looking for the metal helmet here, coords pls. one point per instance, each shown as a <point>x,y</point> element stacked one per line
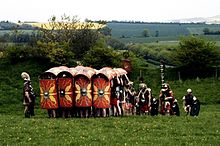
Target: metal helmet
<point>189,90</point>
<point>142,85</point>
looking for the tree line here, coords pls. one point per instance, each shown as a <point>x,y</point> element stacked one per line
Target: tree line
<point>65,44</point>
<point>207,31</point>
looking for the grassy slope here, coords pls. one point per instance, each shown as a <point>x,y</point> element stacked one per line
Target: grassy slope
<point>134,130</point>
<point>207,90</point>
<point>11,82</point>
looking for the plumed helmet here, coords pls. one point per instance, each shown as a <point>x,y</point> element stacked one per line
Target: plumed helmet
<point>25,76</point>
<point>189,90</point>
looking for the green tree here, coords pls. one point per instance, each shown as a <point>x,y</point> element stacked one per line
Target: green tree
<point>99,57</point>
<point>83,40</point>
<point>145,33</point>
<point>206,30</point>
<point>106,31</point>
<point>115,43</point>
<point>58,54</point>
<point>195,53</point>
<point>156,33</point>
<point>69,35</point>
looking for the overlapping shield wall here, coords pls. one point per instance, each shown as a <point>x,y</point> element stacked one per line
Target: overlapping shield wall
<point>77,86</point>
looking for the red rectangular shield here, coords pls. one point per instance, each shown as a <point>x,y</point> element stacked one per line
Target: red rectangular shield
<point>65,88</point>
<point>48,94</point>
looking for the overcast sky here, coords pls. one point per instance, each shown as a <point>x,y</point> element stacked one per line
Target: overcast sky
<point>138,10</point>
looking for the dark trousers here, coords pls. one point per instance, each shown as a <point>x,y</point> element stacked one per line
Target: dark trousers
<point>31,109</point>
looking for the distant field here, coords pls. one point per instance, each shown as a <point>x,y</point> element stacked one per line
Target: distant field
<point>135,30</point>
<point>2,32</point>
<point>128,32</point>
<point>132,32</point>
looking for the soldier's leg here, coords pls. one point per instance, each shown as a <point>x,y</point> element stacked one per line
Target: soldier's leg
<point>26,111</point>
<point>89,111</point>
<point>118,108</point>
<point>53,113</point>
<point>49,113</point>
<point>32,109</point>
<point>104,112</point>
<point>112,110</point>
<point>107,112</point>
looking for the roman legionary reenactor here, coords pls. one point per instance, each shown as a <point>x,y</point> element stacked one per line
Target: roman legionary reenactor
<point>191,104</point>
<point>166,99</point>
<point>129,98</point>
<point>28,96</point>
<point>144,99</point>
<point>115,96</point>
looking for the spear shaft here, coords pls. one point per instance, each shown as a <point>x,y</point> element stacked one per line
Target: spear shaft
<point>162,72</point>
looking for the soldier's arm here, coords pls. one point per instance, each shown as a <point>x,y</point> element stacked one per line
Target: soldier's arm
<point>129,91</point>
<point>184,102</point>
<point>194,98</point>
<point>121,81</point>
<point>171,93</point>
<point>118,80</point>
<point>161,94</point>
<point>26,92</point>
<point>170,96</point>
<point>139,93</point>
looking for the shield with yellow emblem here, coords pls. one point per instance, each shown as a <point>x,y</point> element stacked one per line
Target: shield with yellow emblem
<point>65,90</point>
<point>48,91</point>
<point>83,86</point>
<point>102,88</point>
<point>48,88</point>
<point>65,87</point>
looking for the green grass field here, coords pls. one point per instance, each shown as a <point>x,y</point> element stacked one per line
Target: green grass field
<point>130,130</point>
<point>132,33</point>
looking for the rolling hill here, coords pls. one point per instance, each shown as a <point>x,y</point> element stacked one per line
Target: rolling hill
<point>132,32</point>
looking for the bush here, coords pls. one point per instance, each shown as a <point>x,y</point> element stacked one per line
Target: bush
<point>101,57</point>
<point>57,54</point>
<point>116,44</point>
<point>195,53</point>
<point>17,53</point>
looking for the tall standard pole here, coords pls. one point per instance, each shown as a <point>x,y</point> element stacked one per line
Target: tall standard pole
<point>162,72</point>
